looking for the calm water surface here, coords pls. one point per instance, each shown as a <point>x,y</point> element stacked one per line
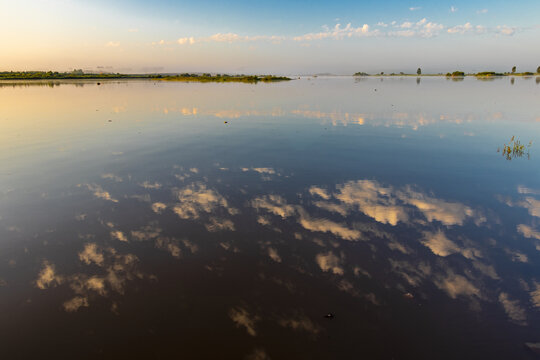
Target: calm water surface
<point>185,220</point>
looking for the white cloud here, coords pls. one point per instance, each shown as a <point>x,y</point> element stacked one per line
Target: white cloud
<point>457,285</point>
<point>92,254</point>
<point>415,8</point>
<point>47,277</point>
<point>440,245</point>
<point>75,303</point>
<point>158,207</point>
<point>99,192</point>
<point>170,245</point>
<point>512,308</point>
<point>242,318</point>
<point>217,224</point>
<point>196,199</point>
<point>118,235</point>
<point>338,33</point>
<point>328,262</point>
<point>113,44</point>
<point>453,9</point>
<point>272,252</point>
<point>325,225</point>
<point>300,323</point>
<point>528,231</point>
<point>186,40</point>
<point>482,11</point>
<point>149,185</point>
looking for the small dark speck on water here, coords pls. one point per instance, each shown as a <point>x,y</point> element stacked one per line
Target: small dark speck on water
<point>110,120</point>
<point>225,122</point>
<point>99,83</point>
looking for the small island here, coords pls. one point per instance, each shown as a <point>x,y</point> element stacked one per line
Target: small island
<point>222,78</point>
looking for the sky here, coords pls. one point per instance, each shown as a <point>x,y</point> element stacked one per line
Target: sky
<point>269,37</point>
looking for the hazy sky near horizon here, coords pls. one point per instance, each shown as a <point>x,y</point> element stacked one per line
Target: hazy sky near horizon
<point>280,37</point>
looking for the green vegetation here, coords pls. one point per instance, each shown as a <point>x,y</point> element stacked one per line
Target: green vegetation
<point>79,74</point>
<point>456,74</point>
<point>223,78</point>
<point>515,149</point>
<point>484,75</point>
<point>75,74</point>
<point>488,74</point>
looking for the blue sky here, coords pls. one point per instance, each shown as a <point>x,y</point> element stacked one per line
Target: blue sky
<point>286,37</point>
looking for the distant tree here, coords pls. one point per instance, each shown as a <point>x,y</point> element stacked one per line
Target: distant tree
<point>538,70</point>
<point>513,69</point>
<point>419,71</point>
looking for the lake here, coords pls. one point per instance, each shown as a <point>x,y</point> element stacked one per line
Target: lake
<point>320,218</point>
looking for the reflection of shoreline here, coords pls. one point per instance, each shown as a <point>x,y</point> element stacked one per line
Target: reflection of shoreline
<point>336,118</point>
<point>59,82</point>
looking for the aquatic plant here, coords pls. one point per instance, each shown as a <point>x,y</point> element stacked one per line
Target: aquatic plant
<point>515,149</point>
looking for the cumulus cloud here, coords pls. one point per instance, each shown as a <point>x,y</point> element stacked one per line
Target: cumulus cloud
<point>145,233</point>
<point>274,204</point>
<point>170,245</point>
<point>197,199</point>
<point>528,231</point>
<point>422,28</point>
<point>228,38</point>
<point>92,254</point>
<point>325,225</point>
<point>118,235</point>
<point>47,277</point>
<point>328,262</point>
<point>512,308</point>
<point>440,245</point>
<point>158,207</point>
<point>373,200</point>
<point>218,224</point>
<point>315,190</point>
<point>457,285</point>
<point>242,318</point>
<point>113,271</point>
<point>149,185</point>
<point>99,192</point>
<point>113,177</point>
<point>338,32</point>
<point>535,295</point>
<point>387,205</point>
<point>300,322</point>
<point>272,252</point>
<point>75,303</point>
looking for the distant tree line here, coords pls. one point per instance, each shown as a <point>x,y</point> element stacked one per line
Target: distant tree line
<point>459,73</point>
<point>75,74</point>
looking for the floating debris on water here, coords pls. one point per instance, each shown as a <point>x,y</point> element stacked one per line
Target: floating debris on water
<point>515,149</point>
